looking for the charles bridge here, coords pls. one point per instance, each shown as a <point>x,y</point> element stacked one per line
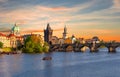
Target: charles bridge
<point>76,47</point>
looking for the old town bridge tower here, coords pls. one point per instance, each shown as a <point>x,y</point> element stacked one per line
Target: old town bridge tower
<point>48,34</point>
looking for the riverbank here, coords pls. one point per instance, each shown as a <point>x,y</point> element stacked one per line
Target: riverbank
<point>10,53</point>
<point>63,64</point>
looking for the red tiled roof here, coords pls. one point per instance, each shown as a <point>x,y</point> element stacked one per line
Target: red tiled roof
<point>19,37</point>
<point>11,35</point>
<point>1,34</point>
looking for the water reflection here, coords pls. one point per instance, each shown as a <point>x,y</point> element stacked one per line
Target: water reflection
<point>118,49</point>
<point>4,66</point>
<point>85,49</point>
<point>63,64</point>
<point>105,49</point>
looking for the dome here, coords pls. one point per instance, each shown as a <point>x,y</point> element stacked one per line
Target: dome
<point>95,38</point>
<point>15,28</point>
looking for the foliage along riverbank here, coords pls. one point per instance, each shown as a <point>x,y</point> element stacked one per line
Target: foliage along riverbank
<point>32,44</point>
<point>35,44</point>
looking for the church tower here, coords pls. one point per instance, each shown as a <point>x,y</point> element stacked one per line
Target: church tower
<point>65,33</point>
<point>48,34</point>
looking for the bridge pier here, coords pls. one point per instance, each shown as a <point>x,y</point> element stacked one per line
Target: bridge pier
<point>69,48</point>
<point>111,49</point>
<point>76,49</point>
<point>93,49</point>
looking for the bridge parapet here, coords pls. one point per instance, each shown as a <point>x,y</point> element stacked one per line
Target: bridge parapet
<point>77,47</point>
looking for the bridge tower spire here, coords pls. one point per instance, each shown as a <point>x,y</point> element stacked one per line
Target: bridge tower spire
<point>65,32</point>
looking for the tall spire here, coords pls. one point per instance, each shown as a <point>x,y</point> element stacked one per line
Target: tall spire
<point>65,32</point>
<point>48,27</point>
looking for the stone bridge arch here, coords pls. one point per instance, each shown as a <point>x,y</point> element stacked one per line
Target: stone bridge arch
<point>69,48</point>
<point>77,47</point>
<point>99,46</point>
<point>85,48</point>
<point>117,48</point>
<point>111,47</point>
<point>82,46</point>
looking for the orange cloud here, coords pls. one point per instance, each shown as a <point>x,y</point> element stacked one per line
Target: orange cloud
<point>111,38</point>
<point>3,1</point>
<point>116,3</point>
<point>53,8</point>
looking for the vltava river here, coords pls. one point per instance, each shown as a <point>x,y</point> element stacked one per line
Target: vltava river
<point>63,64</point>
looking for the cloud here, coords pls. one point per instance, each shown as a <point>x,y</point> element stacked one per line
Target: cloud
<point>94,32</point>
<point>34,13</point>
<point>3,29</point>
<point>57,16</point>
<point>34,18</point>
<point>38,15</point>
<point>2,1</point>
<point>53,9</point>
<point>116,3</point>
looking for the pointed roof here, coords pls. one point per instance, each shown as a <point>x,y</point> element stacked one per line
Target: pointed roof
<point>65,30</point>
<point>48,27</point>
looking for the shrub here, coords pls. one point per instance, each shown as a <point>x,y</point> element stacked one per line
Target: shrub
<point>46,49</point>
<point>38,49</point>
<point>34,44</point>
<point>7,49</point>
<point>27,50</point>
<point>1,45</point>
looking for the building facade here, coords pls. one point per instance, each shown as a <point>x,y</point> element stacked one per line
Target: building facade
<point>13,39</point>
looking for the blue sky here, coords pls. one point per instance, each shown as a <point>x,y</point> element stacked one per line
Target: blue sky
<point>83,18</point>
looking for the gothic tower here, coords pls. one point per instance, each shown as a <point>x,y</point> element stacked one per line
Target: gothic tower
<point>48,34</point>
<point>65,33</point>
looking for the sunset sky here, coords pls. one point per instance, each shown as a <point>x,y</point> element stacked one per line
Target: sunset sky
<point>83,18</point>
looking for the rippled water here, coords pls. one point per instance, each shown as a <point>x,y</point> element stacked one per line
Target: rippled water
<point>101,64</point>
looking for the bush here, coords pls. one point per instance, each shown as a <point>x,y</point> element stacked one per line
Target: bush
<point>27,50</point>
<point>1,45</point>
<point>7,49</point>
<point>38,49</point>
<point>34,45</point>
<point>46,49</point>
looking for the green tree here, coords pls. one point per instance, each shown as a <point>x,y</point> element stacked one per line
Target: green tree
<point>27,50</point>
<point>46,49</point>
<point>38,48</point>
<point>1,45</point>
<point>34,44</point>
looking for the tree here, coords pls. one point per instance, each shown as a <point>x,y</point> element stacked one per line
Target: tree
<point>34,44</point>
<point>38,48</point>
<point>46,48</point>
<point>1,45</point>
<point>27,50</point>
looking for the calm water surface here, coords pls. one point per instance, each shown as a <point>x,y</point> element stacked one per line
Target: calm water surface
<point>101,64</point>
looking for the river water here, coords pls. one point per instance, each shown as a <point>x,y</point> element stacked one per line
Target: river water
<point>63,64</point>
